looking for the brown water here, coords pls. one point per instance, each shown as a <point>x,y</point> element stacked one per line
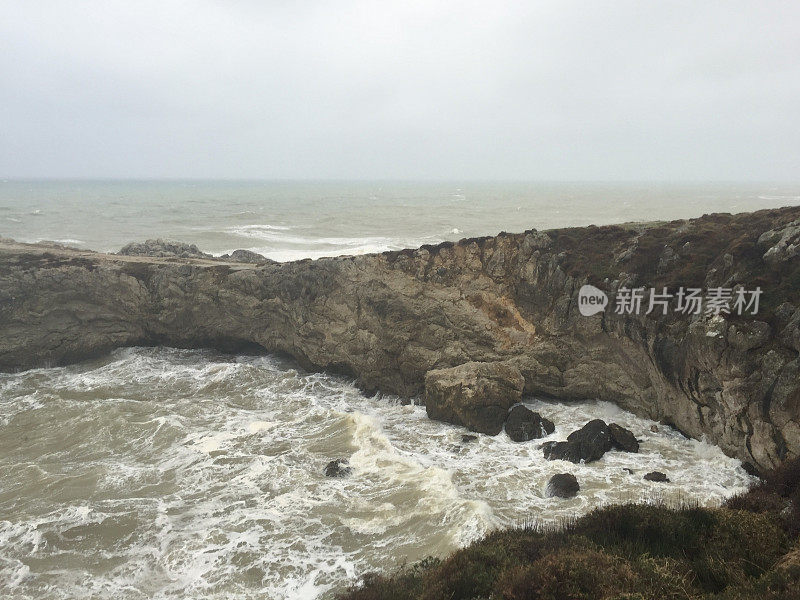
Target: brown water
<point>162,473</point>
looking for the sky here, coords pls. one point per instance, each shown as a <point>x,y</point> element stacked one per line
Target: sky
<point>539,90</point>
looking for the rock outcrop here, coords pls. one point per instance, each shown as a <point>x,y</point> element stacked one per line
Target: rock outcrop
<point>247,256</point>
<point>587,444</point>
<point>388,319</point>
<point>523,424</point>
<point>338,468</point>
<point>476,395</point>
<point>623,439</point>
<point>163,248</point>
<point>562,485</point>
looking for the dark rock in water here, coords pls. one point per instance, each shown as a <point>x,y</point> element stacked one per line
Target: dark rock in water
<point>338,468</point>
<point>556,451</point>
<point>163,248</point>
<point>654,428</point>
<point>523,424</point>
<point>626,469</point>
<point>657,476</point>
<point>468,438</point>
<point>563,485</point>
<point>587,444</point>
<point>623,439</point>
<point>247,256</point>
<point>475,395</point>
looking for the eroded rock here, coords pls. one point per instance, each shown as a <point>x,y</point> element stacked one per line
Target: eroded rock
<point>475,395</point>
<point>562,485</point>
<point>163,248</point>
<point>656,476</point>
<point>247,256</point>
<point>783,243</point>
<point>587,444</point>
<point>388,319</point>
<point>523,424</point>
<point>338,468</point>
<point>623,439</point>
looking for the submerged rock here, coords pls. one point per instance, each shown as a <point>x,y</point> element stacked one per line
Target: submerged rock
<point>623,439</point>
<point>338,468</point>
<point>523,424</point>
<point>656,476</point>
<point>563,485</point>
<point>476,395</point>
<point>466,438</point>
<point>587,444</point>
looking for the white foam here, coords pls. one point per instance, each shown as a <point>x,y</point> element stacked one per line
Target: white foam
<point>257,426</point>
<point>218,463</point>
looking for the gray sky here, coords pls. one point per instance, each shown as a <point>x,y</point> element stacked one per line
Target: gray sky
<point>552,90</point>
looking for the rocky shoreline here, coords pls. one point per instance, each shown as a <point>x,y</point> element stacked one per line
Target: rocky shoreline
<point>470,326</point>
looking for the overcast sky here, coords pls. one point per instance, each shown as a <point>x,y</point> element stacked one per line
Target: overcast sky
<point>548,90</point>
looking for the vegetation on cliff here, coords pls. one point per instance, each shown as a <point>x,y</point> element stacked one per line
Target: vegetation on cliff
<point>749,548</point>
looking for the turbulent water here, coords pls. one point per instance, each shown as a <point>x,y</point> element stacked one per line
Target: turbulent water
<point>291,220</point>
<point>158,473</point>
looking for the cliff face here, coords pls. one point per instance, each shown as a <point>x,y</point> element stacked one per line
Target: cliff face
<point>388,319</point>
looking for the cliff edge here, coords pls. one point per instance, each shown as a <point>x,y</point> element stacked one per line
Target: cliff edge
<point>510,300</point>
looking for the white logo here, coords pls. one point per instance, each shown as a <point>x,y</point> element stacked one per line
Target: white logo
<point>591,300</point>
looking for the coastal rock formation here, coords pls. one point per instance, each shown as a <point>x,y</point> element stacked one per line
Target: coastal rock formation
<point>388,319</point>
<point>476,395</point>
<point>562,485</point>
<point>338,468</point>
<point>163,248</point>
<point>587,444</point>
<point>247,256</point>
<point>522,424</point>
<point>656,476</point>
<point>623,439</point>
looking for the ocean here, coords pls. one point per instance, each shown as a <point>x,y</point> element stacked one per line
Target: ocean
<point>167,473</point>
<point>293,220</point>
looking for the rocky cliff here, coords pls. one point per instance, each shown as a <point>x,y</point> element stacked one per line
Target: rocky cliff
<point>510,300</point>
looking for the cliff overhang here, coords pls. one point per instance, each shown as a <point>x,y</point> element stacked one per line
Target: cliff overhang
<point>512,299</point>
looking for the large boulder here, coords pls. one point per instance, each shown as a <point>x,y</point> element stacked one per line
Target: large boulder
<point>522,424</point>
<point>587,444</point>
<point>476,395</point>
<point>623,439</point>
<point>562,485</point>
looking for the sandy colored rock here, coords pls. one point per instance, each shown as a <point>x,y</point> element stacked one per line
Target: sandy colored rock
<point>475,395</point>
